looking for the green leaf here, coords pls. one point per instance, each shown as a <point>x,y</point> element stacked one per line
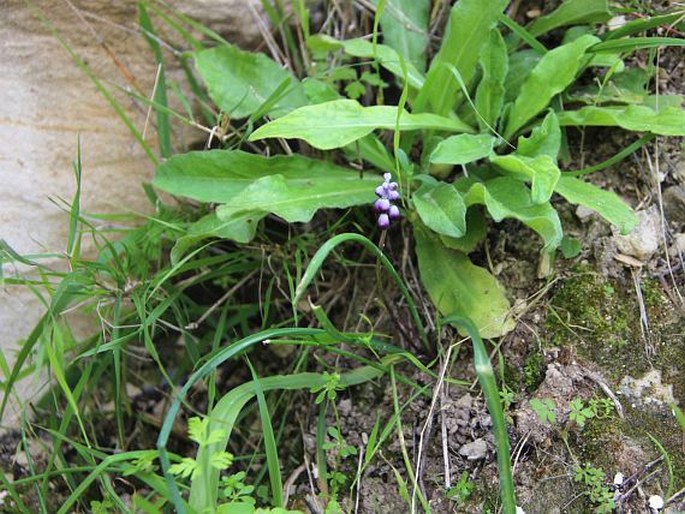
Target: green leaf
<point>240,82</point>
<point>570,247</point>
<point>494,62</point>
<point>476,230</point>
<point>555,72</point>
<point>605,203</point>
<point>405,28</point>
<point>219,176</point>
<point>572,12</point>
<point>545,139</point>
<point>296,199</point>
<point>240,228</point>
<point>334,124</point>
<point>362,48</point>
<point>441,208</point>
<point>644,24</point>
<point>462,149</point>
<point>542,171</point>
<point>467,31</point>
<point>506,197</point>
<point>635,43</point>
<point>667,122</point>
<point>458,287</point>
<point>520,65</point>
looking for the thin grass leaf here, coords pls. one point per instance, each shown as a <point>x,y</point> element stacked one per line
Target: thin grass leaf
<point>636,43</point>
<point>204,489</point>
<point>486,379</point>
<point>322,253</point>
<point>521,32</point>
<point>160,93</point>
<point>74,240</point>
<point>270,446</point>
<point>642,25</point>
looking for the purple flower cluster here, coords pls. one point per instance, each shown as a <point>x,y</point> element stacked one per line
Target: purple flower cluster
<point>387,193</point>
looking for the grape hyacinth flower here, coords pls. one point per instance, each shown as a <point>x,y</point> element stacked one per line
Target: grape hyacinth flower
<point>387,193</point>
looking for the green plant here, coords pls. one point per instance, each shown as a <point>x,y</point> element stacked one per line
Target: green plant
<point>544,409</point>
<point>462,490</point>
<point>598,492</point>
<point>580,413</point>
<point>486,104</point>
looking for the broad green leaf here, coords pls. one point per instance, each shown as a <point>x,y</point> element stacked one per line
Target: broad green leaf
<point>667,122</point>
<point>240,229</point>
<point>362,48</point>
<point>605,203</point>
<point>468,30</point>
<point>505,197</point>
<point>494,62</point>
<point>555,72</point>
<point>318,91</point>
<point>572,12</point>
<point>240,82</point>
<point>369,148</point>
<point>296,197</point>
<point>405,28</point>
<point>462,149</point>
<point>458,287</point>
<point>545,139</point>
<point>441,208</point>
<point>334,124</point>
<point>373,151</point>
<point>520,65</point>
<point>542,171</point>
<point>476,230</point>
<point>219,176</point>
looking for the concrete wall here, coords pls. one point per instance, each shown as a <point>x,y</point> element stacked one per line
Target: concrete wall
<point>47,103</point>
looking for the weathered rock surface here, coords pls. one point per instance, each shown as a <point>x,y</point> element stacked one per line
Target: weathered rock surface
<point>644,240</point>
<point>48,103</point>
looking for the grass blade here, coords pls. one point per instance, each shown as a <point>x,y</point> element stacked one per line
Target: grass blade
<point>486,378</point>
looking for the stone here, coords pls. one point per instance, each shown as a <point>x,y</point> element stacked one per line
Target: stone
<point>643,242</point>
<point>674,204</point>
<point>647,390</point>
<point>475,450</point>
<point>49,104</point>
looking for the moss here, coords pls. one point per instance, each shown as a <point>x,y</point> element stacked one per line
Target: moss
<point>600,319</point>
<point>533,371</point>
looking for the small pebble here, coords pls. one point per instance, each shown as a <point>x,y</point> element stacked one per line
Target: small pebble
<point>656,502</point>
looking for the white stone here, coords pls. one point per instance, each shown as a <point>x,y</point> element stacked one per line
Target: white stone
<point>474,450</point>
<point>618,479</point>
<point>644,240</point>
<point>656,502</point>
